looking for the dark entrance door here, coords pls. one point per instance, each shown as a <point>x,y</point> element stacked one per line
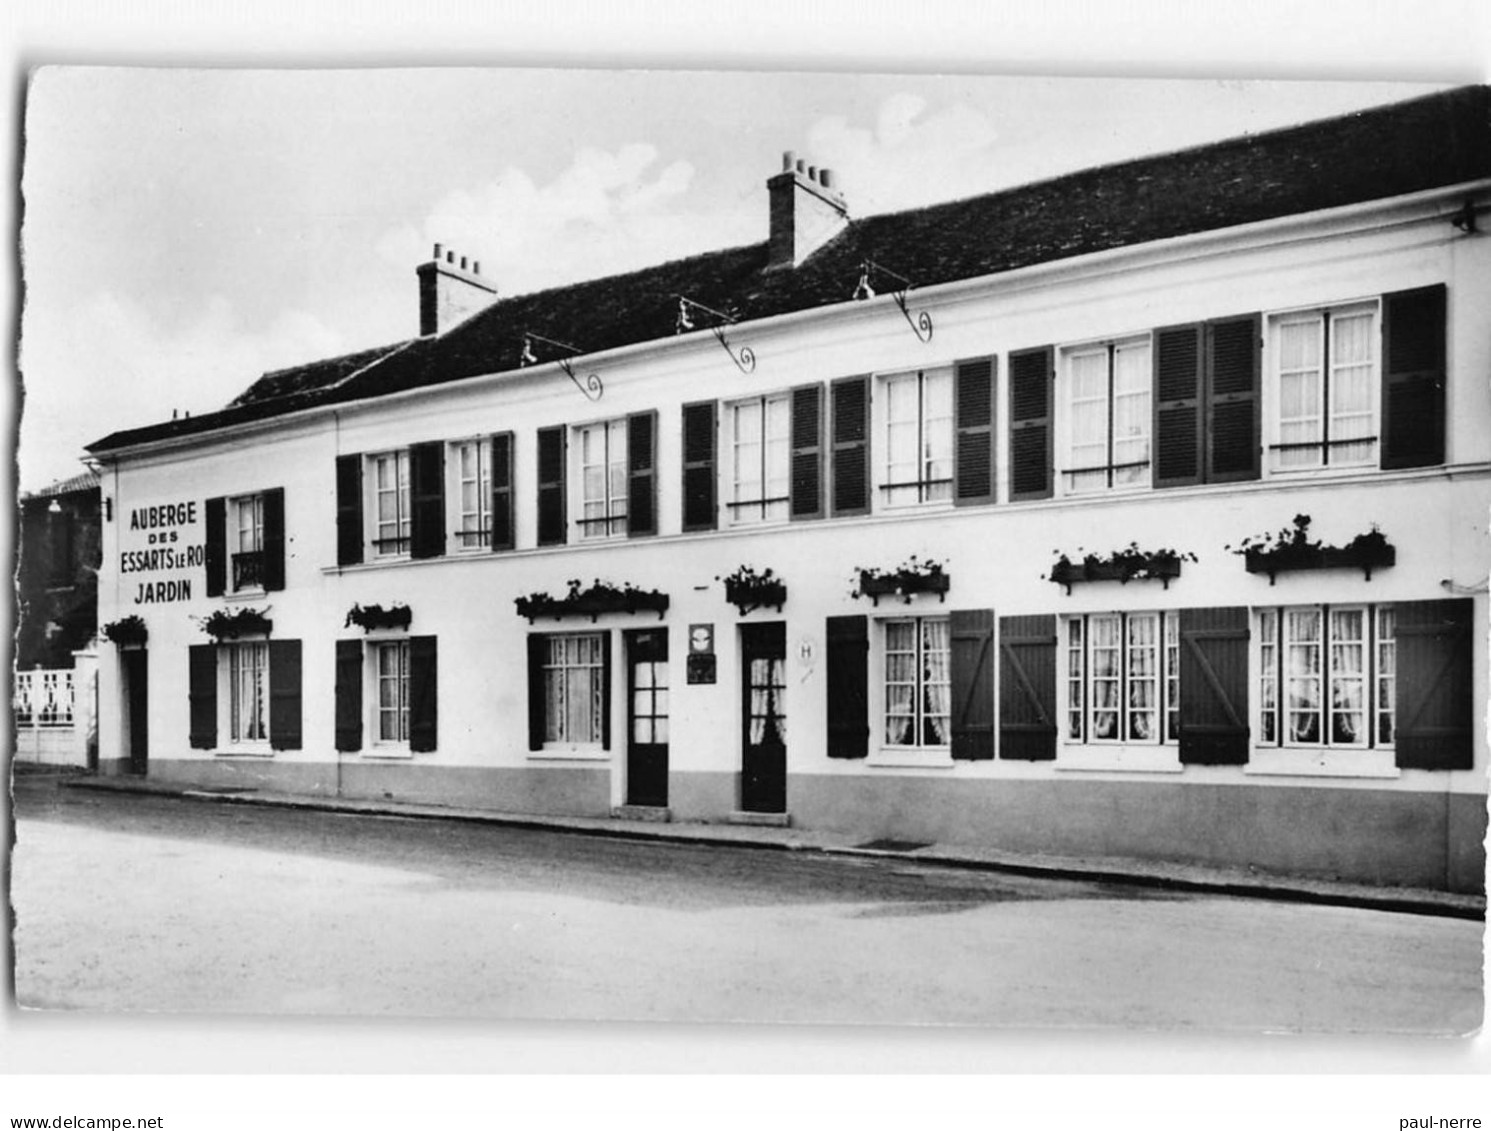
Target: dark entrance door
<point>763,778</point>
<point>136,699</point>
<point>647,717</point>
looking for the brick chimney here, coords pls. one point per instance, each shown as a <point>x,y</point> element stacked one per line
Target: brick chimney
<point>450,291</point>
<point>806,212</point>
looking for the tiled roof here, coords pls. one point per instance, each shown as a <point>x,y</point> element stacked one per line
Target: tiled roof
<point>317,375</point>
<point>87,481</point>
<point>1430,142</point>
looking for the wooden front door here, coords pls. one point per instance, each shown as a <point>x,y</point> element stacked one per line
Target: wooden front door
<point>136,708</point>
<point>647,717</point>
<point>763,778</point>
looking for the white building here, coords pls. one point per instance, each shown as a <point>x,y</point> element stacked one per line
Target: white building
<point>1172,354</point>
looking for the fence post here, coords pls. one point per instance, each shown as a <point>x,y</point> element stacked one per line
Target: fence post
<point>85,707</point>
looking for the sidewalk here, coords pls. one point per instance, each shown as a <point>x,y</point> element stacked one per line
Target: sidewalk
<point>1172,876</point>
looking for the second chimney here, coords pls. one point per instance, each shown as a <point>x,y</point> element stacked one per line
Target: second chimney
<point>806,212</point>
<point>450,291</point>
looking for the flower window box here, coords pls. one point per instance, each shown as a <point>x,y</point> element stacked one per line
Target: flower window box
<point>905,581</point>
<point>600,598</point>
<point>747,590</point>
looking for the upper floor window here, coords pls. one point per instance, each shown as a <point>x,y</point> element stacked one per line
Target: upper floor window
<point>1327,676</point>
<point>918,428</point>
<point>760,454</point>
<point>918,682</point>
<point>1323,388</point>
<point>391,506</point>
<point>603,479</point>
<point>1106,416</point>
<point>1122,678</point>
<point>473,470</point>
<point>247,542</point>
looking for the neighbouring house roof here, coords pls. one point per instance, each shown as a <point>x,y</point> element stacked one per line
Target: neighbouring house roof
<point>1431,142</point>
<point>87,481</point>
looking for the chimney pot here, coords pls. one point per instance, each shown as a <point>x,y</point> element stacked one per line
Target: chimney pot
<point>788,159</point>
<point>801,165</point>
<point>826,178</point>
<point>812,172</point>
<point>438,250</point>
<point>463,263</point>
<point>476,266</point>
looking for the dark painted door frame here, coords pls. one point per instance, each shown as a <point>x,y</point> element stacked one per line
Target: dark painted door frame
<point>135,670</point>
<point>763,764</point>
<point>647,760</point>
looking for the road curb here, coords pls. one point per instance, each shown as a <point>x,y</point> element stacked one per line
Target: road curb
<point>1285,889</point>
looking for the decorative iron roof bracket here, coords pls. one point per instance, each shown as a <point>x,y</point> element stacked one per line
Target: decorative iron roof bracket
<point>590,384</point>
<point>744,357</point>
<point>920,322</point>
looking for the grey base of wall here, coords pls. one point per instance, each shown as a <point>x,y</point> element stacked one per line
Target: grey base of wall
<point>1385,837</point>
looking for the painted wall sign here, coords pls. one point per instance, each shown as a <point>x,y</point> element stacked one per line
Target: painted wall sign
<point>162,539</point>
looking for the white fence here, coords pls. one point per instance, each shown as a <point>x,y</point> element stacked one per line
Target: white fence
<point>55,713</point>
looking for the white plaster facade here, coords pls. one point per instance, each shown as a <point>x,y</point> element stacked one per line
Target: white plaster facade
<point>1352,815</point>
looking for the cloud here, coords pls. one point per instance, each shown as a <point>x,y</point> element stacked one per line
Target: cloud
<point>95,366</point>
<point>911,157</point>
<point>606,212</point>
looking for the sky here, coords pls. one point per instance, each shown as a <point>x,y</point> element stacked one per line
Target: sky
<point>185,230</point>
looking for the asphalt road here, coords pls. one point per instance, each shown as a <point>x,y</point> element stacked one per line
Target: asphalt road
<point>139,903</point>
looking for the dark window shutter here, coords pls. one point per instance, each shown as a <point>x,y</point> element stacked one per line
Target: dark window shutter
<point>1234,362</point>
<point>974,417</point>
<point>1413,378</point>
<point>1027,687</point>
<point>699,510</point>
<point>349,510</point>
<point>538,649</point>
<point>215,552</point>
<point>807,452</point>
<point>274,539</point>
<point>849,407</point>
<point>972,664</point>
<point>284,695</point>
<point>1178,352</point>
<point>848,667</point>
<point>504,524</point>
<point>202,695</point>
<point>422,693</point>
<point>427,500</point>
<point>605,691</point>
<point>641,484</point>
<point>1435,693</point>
<point>349,695</point>
<point>551,502</point>
<point>1032,373</point>
<point>1214,687</point>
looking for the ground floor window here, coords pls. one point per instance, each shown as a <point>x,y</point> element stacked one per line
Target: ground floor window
<point>1327,676</point>
<point>391,660</point>
<point>574,681</point>
<point>248,691</point>
<point>917,682</point>
<point>1122,678</point>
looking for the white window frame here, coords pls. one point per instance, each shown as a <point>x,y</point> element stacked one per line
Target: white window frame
<point>236,505</point>
<point>771,488</point>
<point>387,546</point>
<point>564,747</point>
<point>375,650</point>
<point>471,529</point>
<point>1083,751</point>
<point>611,522</point>
<point>229,655</point>
<point>882,751</point>
<point>1268,661</point>
<point>901,486</point>
<point>1274,425</point>
<point>1120,475</point>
